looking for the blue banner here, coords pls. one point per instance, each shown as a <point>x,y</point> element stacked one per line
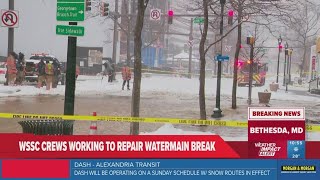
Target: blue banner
<point>174,169</point>
<point>204,169</point>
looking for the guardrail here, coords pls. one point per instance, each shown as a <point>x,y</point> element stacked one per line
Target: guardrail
<point>314,86</point>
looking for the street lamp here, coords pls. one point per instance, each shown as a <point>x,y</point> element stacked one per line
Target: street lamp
<point>280,48</point>
<point>290,61</point>
<point>217,111</point>
<point>285,63</point>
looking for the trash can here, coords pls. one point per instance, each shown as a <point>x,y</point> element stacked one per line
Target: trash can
<point>47,127</point>
<point>274,87</point>
<point>264,97</point>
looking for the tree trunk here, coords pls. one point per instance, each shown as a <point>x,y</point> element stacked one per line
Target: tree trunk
<point>303,65</point>
<point>128,37</point>
<point>236,57</point>
<point>135,106</point>
<point>202,96</point>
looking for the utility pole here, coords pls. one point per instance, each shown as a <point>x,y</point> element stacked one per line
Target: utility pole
<point>278,65</point>
<point>217,111</point>
<point>11,31</point>
<point>71,74</point>
<point>190,48</point>
<point>115,36</point>
<point>167,37</point>
<point>291,51</point>
<point>285,63</point>
<point>251,71</point>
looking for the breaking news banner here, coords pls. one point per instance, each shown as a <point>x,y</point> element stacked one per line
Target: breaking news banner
<point>276,133</point>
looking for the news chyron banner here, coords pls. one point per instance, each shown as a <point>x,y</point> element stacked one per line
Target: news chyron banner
<point>276,133</point>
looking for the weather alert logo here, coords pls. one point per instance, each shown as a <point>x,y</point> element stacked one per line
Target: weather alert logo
<point>267,149</point>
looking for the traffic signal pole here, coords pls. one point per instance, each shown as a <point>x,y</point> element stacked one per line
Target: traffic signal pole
<point>11,31</point>
<point>71,74</point>
<point>250,74</point>
<point>190,48</point>
<point>217,113</point>
<point>115,37</point>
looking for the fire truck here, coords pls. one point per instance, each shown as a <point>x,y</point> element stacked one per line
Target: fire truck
<point>259,73</point>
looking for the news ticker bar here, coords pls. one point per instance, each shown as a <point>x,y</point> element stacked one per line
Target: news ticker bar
<point>155,169</point>
<point>236,124</point>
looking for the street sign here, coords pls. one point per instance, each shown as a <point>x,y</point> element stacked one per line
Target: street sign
<point>222,58</point>
<point>70,10</point>
<point>155,14</point>
<point>198,20</point>
<point>9,18</point>
<point>70,30</point>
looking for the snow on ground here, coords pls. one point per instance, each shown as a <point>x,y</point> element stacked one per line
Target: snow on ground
<point>169,129</point>
<point>95,85</point>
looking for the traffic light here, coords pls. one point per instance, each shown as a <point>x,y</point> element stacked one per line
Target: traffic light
<point>88,5</point>
<point>230,17</point>
<point>105,9</point>
<point>250,40</point>
<point>170,17</point>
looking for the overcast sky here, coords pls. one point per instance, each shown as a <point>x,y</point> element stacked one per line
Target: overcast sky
<point>36,31</point>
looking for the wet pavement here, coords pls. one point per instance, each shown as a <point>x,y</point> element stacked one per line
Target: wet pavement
<point>152,105</point>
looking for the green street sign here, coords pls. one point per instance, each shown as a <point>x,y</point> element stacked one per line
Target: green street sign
<point>70,10</point>
<point>198,20</point>
<point>70,30</point>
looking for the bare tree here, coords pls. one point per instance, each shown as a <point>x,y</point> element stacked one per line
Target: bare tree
<point>302,28</point>
<point>135,106</point>
<point>202,97</point>
<point>259,51</point>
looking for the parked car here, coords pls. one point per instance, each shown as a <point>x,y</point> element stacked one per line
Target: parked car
<point>51,58</point>
<point>3,68</point>
<point>31,70</point>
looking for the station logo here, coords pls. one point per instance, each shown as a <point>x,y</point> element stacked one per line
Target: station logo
<point>267,149</point>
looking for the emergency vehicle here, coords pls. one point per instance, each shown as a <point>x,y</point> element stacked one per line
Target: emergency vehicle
<point>259,73</point>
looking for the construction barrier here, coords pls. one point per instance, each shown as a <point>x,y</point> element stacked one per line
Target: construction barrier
<point>221,123</point>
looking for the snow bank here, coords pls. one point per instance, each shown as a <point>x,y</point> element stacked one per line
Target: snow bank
<point>95,85</point>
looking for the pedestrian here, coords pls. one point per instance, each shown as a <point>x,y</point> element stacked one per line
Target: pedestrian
<point>20,69</point>
<point>11,68</point>
<point>56,74</point>
<point>49,68</point>
<point>41,69</point>
<point>108,70</point>
<point>126,76</point>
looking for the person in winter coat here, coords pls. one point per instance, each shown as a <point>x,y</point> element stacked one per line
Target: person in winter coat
<point>41,67</point>
<point>11,68</point>
<point>108,71</point>
<point>126,76</point>
<point>21,69</point>
<point>49,74</point>
<point>56,74</point>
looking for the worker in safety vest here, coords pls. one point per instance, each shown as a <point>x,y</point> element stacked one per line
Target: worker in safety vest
<point>49,74</point>
<point>126,76</point>
<point>11,68</point>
